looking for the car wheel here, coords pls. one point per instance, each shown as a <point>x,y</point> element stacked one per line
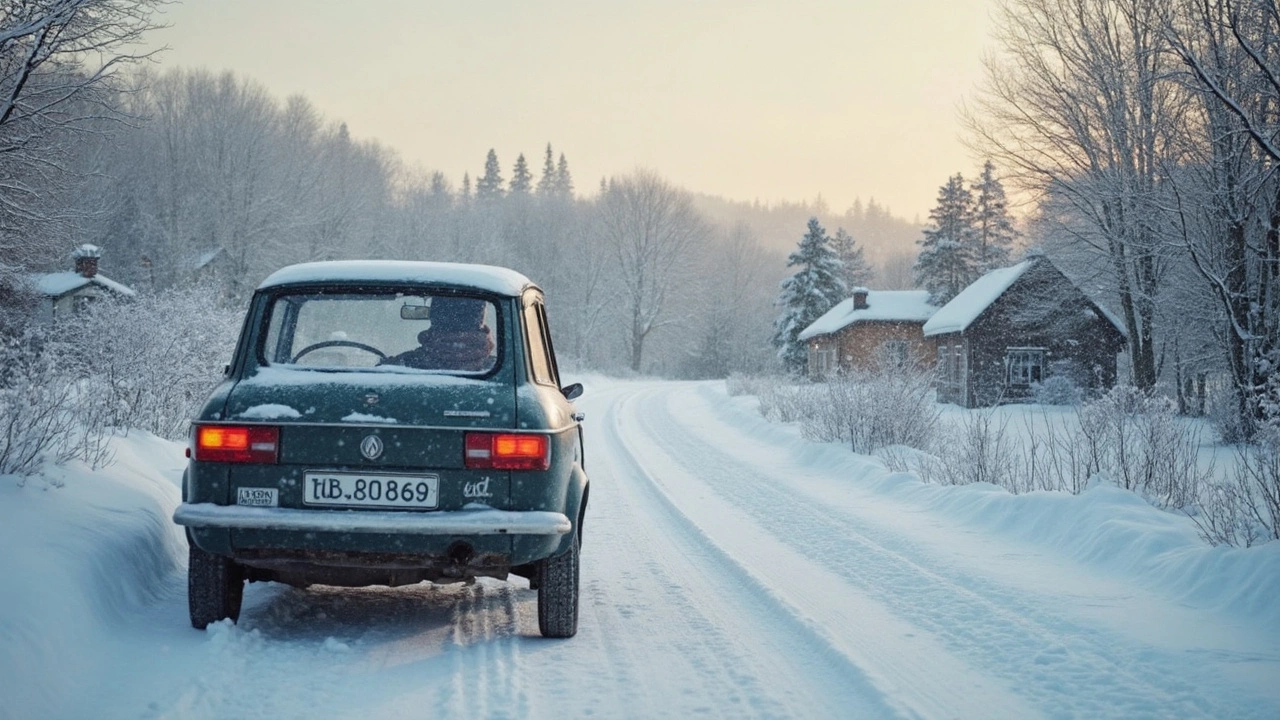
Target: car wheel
<point>215,587</point>
<point>558,594</point>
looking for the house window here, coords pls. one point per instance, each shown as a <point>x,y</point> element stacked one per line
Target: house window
<point>1026,365</point>
<point>894,353</point>
<point>957,365</point>
<point>824,359</point>
<point>944,356</point>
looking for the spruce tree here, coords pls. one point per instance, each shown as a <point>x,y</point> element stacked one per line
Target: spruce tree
<point>521,178</point>
<point>993,228</point>
<point>465,194</point>
<point>814,289</point>
<point>946,263</point>
<point>489,186</point>
<point>854,269</point>
<point>564,181</point>
<point>547,183</point>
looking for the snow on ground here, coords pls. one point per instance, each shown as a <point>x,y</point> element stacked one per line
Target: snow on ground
<point>730,569</point>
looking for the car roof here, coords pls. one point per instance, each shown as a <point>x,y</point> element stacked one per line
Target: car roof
<point>498,280</point>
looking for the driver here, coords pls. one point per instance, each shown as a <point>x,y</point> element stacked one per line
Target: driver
<point>458,339</point>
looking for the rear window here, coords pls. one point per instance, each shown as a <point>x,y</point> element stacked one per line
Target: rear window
<point>396,330</point>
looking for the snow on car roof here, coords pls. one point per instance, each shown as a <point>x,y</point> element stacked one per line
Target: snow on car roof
<point>882,305</point>
<point>493,279</point>
<point>964,308</point>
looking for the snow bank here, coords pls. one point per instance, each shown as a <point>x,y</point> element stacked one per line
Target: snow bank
<point>81,549</point>
<point>1107,528</point>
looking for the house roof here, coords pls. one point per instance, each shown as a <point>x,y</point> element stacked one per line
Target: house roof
<point>882,306</point>
<point>57,284</point>
<point>501,281</point>
<point>966,307</point>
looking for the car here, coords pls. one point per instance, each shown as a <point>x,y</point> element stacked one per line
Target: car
<point>388,423</point>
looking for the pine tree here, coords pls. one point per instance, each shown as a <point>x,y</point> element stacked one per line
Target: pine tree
<point>547,183</point>
<point>814,289</point>
<point>854,269</point>
<point>993,228</point>
<point>489,186</point>
<point>465,194</point>
<point>521,178</point>
<point>946,263</point>
<point>564,181</point>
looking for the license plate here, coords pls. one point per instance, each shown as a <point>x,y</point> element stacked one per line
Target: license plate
<point>368,490</point>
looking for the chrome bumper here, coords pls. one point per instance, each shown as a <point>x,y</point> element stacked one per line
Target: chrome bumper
<point>436,522</point>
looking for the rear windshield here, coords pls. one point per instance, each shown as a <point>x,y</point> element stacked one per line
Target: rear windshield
<point>395,330</point>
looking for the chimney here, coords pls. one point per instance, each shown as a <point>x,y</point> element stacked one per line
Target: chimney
<point>860,298</point>
<point>86,257</point>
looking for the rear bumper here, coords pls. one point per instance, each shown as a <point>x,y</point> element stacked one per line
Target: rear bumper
<point>445,522</point>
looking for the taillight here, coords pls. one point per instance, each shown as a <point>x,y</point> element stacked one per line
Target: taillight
<point>237,444</point>
<point>507,451</point>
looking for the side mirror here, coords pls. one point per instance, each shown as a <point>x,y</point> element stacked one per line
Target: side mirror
<point>572,392</point>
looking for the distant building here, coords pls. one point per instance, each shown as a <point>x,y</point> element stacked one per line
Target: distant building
<point>872,326</point>
<point>64,293</point>
<point>1017,326</point>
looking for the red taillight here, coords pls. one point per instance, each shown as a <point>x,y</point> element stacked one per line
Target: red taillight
<point>238,444</point>
<point>507,451</point>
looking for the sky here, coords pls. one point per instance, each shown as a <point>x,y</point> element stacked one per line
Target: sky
<point>748,100</point>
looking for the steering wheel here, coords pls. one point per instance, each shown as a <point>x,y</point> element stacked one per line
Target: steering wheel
<point>335,343</point>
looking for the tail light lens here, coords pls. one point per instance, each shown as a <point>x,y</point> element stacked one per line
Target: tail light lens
<point>507,451</point>
<point>237,444</point>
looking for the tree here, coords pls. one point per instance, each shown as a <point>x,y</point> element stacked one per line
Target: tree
<point>993,232</point>
<point>60,63</point>
<point>814,289</point>
<point>854,269</point>
<point>464,195</point>
<point>564,180</point>
<point>1077,105</point>
<point>547,183</point>
<point>946,264</point>
<point>521,178</point>
<point>489,186</point>
<point>652,228</point>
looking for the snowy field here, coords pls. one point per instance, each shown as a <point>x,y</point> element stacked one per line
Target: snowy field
<point>730,569</point>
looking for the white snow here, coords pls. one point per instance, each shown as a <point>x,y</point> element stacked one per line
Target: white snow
<point>358,417</point>
<point>60,283</point>
<point>882,305</point>
<point>957,315</point>
<point>270,411</point>
<point>469,521</point>
<point>730,568</point>
<point>484,277</point>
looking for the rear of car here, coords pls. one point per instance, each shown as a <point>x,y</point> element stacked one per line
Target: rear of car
<point>384,424</point>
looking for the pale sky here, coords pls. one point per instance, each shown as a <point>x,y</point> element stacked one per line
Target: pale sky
<point>744,99</point>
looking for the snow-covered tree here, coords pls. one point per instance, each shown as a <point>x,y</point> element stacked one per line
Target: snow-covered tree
<point>854,268</point>
<point>564,180</point>
<point>993,232</point>
<point>946,263</point>
<point>521,178</point>
<point>464,195</point>
<point>547,183</point>
<point>489,186</point>
<point>814,289</point>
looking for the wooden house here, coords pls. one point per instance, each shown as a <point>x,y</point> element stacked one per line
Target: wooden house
<point>870,327</point>
<point>1017,326</point>
<point>64,293</point>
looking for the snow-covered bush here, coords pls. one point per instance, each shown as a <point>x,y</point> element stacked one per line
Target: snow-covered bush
<point>1244,509</point>
<point>1064,385</point>
<point>892,404</point>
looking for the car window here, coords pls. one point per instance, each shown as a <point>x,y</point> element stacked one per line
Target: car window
<point>400,330</point>
<point>539,359</point>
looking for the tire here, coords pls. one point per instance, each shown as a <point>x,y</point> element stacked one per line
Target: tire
<point>558,594</point>
<point>215,588</point>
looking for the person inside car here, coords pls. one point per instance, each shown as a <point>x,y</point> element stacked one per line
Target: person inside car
<point>457,339</point>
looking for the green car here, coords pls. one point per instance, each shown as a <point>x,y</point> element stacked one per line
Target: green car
<point>388,423</point>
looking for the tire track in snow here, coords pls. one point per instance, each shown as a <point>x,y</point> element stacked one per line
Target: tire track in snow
<point>1059,664</point>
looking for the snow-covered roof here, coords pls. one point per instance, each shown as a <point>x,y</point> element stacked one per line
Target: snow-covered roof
<point>882,306</point>
<point>60,283</point>
<point>200,261</point>
<point>493,279</point>
<point>964,308</point>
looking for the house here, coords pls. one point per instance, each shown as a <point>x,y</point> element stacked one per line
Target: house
<point>1017,326</point>
<point>872,326</point>
<point>63,293</point>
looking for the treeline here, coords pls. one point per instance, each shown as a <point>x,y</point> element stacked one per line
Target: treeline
<point>1147,133</point>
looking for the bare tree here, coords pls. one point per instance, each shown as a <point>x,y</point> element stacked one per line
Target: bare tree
<point>652,227</point>
<point>59,75</point>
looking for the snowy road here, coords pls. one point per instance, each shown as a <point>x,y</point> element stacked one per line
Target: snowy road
<point>728,570</point>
